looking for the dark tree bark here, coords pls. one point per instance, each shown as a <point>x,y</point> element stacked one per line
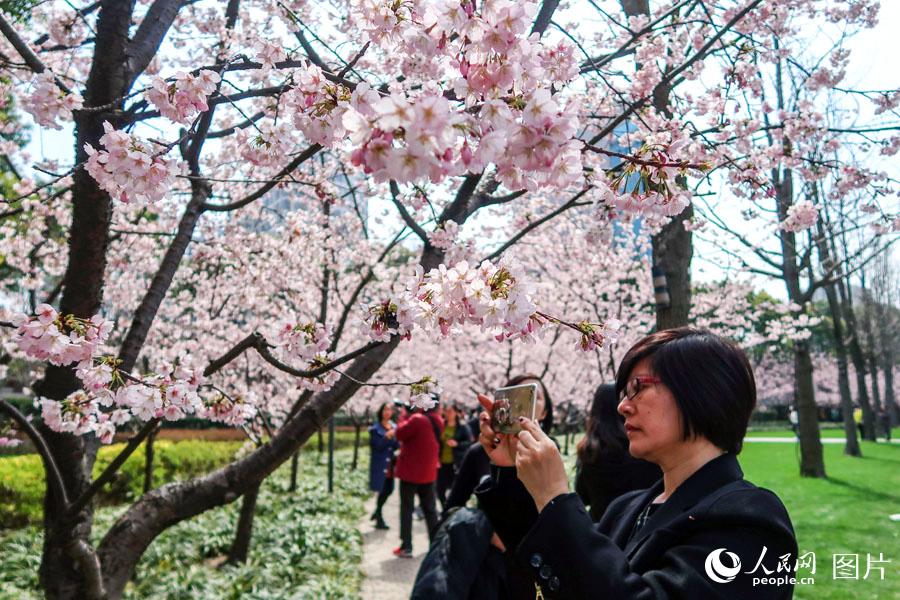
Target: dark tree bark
<point>148,462</point>
<point>672,253</point>
<point>673,246</point>
<point>295,460</point>
<point>811,462</point>
<point>851,446</point>
<point>240,546</point>
<point>859,360</point>
<point>871,348</point>
<point>68,566</point>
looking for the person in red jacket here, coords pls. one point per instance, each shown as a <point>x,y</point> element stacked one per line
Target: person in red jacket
<point>417,466</point>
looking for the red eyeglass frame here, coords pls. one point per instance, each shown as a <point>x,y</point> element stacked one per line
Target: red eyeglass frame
<point>642,380</point>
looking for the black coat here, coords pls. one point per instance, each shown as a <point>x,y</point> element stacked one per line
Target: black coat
<point>715,508</point>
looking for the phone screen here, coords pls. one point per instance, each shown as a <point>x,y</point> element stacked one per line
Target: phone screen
<point>513,402</point>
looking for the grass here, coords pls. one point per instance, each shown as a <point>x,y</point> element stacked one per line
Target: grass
<point>847,513</point>
<point>825,433</point>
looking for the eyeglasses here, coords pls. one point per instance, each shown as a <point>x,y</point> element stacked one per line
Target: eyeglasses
<point>636,385</point>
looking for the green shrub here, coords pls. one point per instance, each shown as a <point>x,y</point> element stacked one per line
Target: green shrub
<point>22,477</point>
<point>306,544</point>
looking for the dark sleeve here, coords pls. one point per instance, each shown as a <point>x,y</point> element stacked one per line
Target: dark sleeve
<point>508,505</point>
<point>468,476</point>
<point>378,441</point>
<point>571,559</point>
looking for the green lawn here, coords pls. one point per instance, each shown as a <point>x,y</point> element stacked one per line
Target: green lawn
<point>845,513</point>
<point>831,432</point>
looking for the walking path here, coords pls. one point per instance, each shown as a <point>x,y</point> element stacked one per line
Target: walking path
<point>387,577</point>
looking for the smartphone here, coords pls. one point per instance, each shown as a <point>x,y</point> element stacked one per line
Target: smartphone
<point>510,403</point>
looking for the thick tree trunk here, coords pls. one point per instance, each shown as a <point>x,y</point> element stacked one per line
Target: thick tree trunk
<point>851,446</point>
<point>69,568</point>
<point>811,463</point>
<point>887,328</point>
<point>673,246</point>
<point>859,361</point>
<point>672,253</point>
<point>240,547</point>
<point>871,352</point>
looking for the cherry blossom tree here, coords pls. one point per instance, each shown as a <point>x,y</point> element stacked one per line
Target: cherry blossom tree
<point>215,246</point>
<point>804,155</point>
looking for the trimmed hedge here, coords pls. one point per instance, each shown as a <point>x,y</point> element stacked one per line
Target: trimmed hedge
<point>22,477</point>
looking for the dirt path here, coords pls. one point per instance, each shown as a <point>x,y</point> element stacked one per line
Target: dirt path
<point>386,576</point>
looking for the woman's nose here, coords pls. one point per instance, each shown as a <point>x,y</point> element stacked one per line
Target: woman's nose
<point>625,408</point>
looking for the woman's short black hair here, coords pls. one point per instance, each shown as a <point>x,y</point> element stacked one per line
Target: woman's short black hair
<point>547,422</point>
<point>710,377</point>
<point>380,413</point>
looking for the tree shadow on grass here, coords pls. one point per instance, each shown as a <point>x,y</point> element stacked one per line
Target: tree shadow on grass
<point>867,491</point>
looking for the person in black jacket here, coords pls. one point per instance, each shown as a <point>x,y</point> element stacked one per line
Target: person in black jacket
<point>455,440</point>
<point>700,532</point>
<point>605,470</point>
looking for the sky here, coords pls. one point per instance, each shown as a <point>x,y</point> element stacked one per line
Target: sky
<point>873,66</point>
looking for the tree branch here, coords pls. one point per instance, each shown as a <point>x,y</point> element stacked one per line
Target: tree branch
<point>573,202</point>
<point>50,467</point>
<point>110,471</point>
<point>150,34</point>
<point>264,189</point>
<point>407,218</point>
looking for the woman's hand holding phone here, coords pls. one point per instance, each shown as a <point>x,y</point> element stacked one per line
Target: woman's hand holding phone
<point>500,447</point>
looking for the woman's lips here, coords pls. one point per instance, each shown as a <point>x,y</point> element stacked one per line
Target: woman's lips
<point>630,428</point>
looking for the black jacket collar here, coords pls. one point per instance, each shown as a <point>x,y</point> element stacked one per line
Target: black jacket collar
<point>715,474</point>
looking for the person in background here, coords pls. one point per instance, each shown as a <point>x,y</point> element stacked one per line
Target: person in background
<point>604,469</point>
<point>857,418</point>
<point>455,440</point>
<point>417,465</point>
<point>382,443</point>
<point>472,421</point>
<point>794,418</point>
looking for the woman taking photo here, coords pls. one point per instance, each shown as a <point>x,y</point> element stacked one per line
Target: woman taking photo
<point>702,531</point>
<point>382,443</point>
